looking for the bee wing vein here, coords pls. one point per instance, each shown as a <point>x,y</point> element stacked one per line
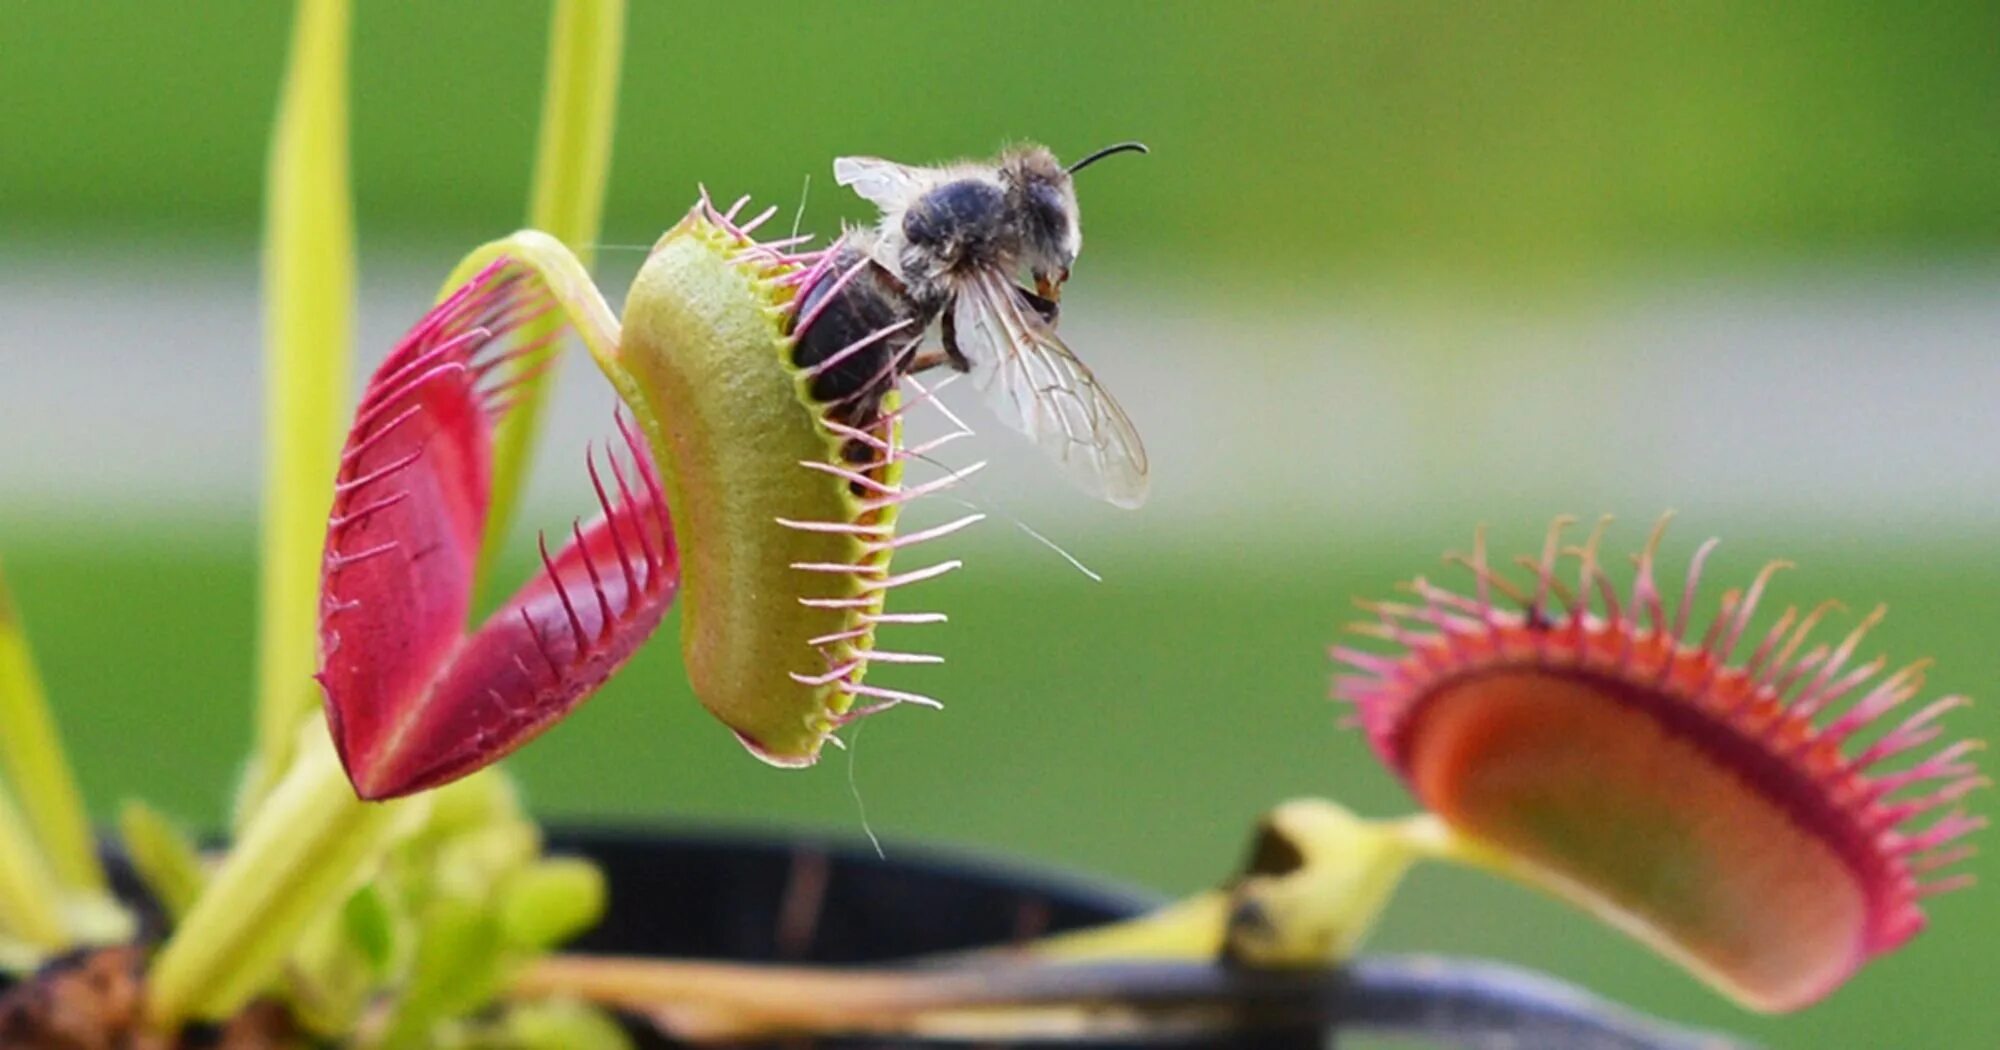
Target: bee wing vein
<point>1037,386</point>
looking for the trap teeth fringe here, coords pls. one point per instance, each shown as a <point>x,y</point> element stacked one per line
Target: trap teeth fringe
<point>486,317</point>
<point>640,517</point>
<point>778,261</point>
<point>847,654</point>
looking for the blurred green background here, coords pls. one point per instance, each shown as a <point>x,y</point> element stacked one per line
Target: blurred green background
<point>1393,269</point>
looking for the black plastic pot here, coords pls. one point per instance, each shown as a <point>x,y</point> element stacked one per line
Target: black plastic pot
<point>751,898</point>
<point>723,895</point>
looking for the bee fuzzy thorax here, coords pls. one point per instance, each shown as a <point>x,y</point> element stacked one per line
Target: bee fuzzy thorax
<point>783,458</point>
<point>1764,822</point>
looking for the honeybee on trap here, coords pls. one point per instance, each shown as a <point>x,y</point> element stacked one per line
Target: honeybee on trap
<point>950,246</point>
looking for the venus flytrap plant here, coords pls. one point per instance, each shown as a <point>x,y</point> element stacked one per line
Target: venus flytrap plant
<point>705,363</point>
<point>271,918</point>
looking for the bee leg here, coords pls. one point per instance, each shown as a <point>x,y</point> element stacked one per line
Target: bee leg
<point>949,329</point>
<point>1043,304</point>
<point>925,360</point>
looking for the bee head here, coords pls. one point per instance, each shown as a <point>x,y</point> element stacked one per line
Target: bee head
<point>1044,196</point>
<point>1043,201</point>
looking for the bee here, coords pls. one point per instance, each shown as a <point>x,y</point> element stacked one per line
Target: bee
<point>951,247</point>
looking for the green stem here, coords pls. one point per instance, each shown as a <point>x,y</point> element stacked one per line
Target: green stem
<point>1315,908</point>
<point>33,760</point>
<point>1436,1000</point>
<point>572,162</point>
<point>1430,838</point>
<point>307,849</point>
<point>309,304</point>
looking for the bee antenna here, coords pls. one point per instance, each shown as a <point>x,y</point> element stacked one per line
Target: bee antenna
<point>1122,147</point>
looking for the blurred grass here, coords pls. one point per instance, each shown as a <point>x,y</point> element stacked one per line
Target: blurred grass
<point>1293,139</point>
<point>1133,729</point>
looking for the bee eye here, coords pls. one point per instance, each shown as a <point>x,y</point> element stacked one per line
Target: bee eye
<point>1045,206</point>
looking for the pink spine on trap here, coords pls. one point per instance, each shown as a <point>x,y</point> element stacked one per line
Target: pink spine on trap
<point>413,701</point>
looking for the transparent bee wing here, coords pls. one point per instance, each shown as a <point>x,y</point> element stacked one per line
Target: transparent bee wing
<point>883,183</point>
<point>1035,385</point>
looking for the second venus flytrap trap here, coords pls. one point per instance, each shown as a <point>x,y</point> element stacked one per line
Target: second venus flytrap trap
<point>1771,822</point>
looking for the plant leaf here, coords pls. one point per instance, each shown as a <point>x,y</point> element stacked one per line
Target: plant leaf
<point>556,1024</point>
<point>546,904</point>
<point>458,967</point>
<point>309,294</point>
<point>165,859</point>
<point>370,926</point>
<point>572,161</point>
<point>33,759</point>
<point>30,907</point>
